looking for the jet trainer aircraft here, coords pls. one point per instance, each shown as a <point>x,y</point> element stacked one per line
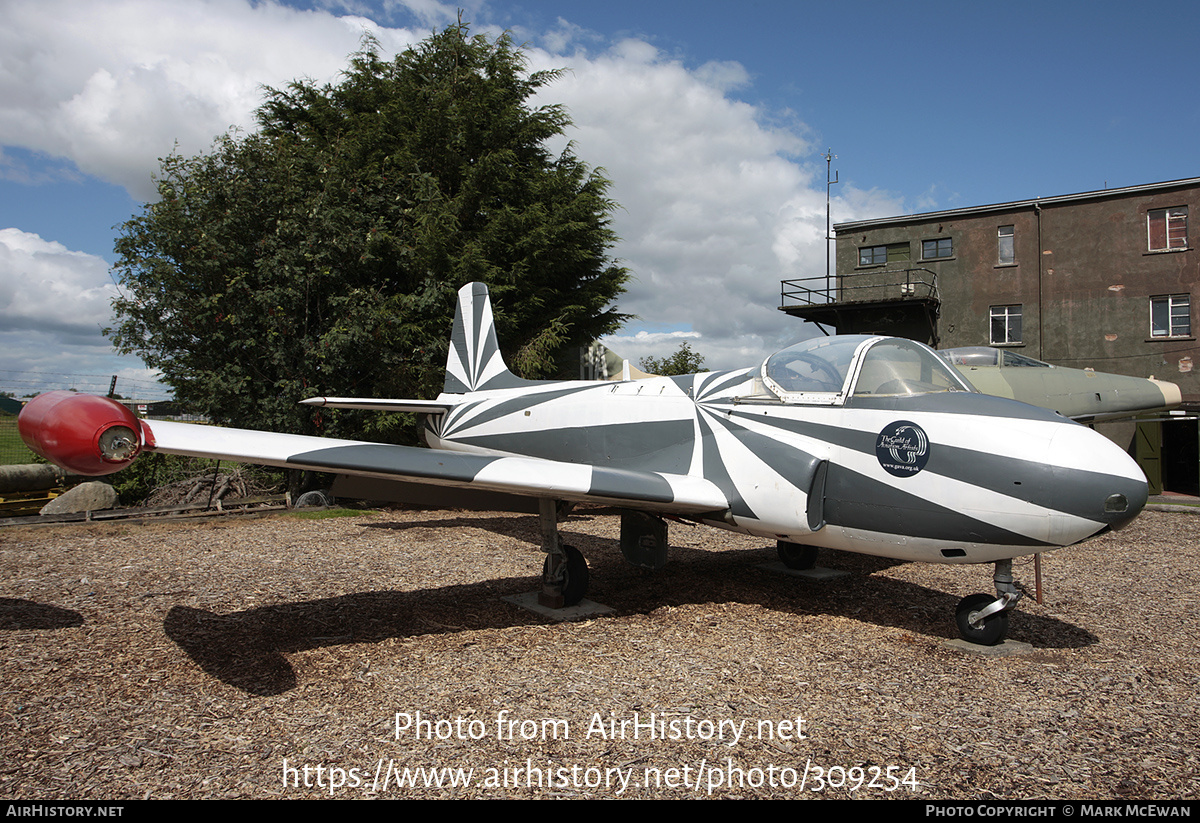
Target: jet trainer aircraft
<point>860,443</point>
<point>1081,394</point>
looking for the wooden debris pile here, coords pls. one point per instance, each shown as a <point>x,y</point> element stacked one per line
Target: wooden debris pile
<point>206,489</point>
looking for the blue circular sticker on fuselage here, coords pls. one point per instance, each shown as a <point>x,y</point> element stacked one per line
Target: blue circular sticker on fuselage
<point>902,448</point>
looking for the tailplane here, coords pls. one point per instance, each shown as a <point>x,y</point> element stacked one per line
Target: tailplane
<point>474,362</point>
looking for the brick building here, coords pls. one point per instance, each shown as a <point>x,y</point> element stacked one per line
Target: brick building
<point>1102,279</point>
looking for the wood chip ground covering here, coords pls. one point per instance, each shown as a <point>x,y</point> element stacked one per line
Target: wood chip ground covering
<point>272,657</point>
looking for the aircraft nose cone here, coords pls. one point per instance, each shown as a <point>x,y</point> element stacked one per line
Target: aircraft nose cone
<point>1107,485</point>
<point>1170,392</point>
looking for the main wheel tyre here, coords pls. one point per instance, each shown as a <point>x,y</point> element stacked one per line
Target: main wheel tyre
<point>988,633</point>
<point>575,575</point>
<point>796,555</point>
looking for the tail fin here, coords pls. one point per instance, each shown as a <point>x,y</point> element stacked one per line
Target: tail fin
<point>474,362</point>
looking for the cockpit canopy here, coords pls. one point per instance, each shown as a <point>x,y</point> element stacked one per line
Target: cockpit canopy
<point>988,356</point>
<point>827,370</point>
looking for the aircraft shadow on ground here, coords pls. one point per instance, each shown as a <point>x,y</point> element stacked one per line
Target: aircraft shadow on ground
<point>17,614</point>
<point>247,649</point>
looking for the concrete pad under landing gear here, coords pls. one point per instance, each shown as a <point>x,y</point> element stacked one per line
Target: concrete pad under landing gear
<point>585,610</point>
<point>816,573</point>
<point>1006,649</point>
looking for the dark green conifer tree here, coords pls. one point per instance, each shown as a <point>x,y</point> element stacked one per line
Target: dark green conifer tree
<point>322,253</point>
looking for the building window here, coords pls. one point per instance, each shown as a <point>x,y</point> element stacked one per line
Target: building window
<point>872,255</point>
<point>934,249</point>
<point>1171,316</point>
<point>1006,325</point>
<point>1167,228</point>
<point>878,255</point>
<point>1006,252</point>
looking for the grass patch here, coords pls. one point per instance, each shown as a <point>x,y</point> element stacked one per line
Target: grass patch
<point>324,513</point>
<point>12,448</point>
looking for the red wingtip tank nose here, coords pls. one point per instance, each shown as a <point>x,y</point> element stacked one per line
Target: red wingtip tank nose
<point>83,433</point>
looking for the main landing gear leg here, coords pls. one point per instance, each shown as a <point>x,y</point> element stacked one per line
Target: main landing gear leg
<point>565,572</point>
<point>983,619</point>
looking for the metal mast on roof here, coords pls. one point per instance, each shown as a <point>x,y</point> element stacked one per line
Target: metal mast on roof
<point>829,181</point>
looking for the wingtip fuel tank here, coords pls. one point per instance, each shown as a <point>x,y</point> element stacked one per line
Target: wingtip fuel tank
<point>84,434</point>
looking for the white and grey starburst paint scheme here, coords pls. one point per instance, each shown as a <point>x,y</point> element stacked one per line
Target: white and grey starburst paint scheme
<point>865,444</point>
<point>945,475</point>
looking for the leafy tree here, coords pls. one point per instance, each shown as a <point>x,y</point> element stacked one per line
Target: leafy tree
<point>683,361</point>
<point>322,253</point>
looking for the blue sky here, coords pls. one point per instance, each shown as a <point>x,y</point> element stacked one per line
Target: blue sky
<point>710,119</point>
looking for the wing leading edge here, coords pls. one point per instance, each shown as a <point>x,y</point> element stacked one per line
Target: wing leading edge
<point>383,404</point>
<point>529,476</point>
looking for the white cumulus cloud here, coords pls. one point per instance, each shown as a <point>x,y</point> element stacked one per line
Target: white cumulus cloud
<point>717,207</point>
<point>53,304</point>
<point>45,286</point>
<point>113,86</point>
<point>720,200</point>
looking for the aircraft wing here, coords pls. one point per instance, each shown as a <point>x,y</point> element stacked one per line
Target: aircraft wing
<point>530,476</point>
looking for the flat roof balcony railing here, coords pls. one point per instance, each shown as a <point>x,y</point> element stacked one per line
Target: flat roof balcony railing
<point>872,286</point>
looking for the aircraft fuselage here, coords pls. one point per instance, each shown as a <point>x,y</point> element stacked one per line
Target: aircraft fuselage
<point>947,477</point>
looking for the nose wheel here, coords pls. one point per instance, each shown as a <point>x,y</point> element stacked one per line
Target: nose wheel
<point>983,619</point>
<point>977,625</point>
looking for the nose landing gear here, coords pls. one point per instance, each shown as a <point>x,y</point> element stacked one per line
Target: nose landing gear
<point>983,619</point>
